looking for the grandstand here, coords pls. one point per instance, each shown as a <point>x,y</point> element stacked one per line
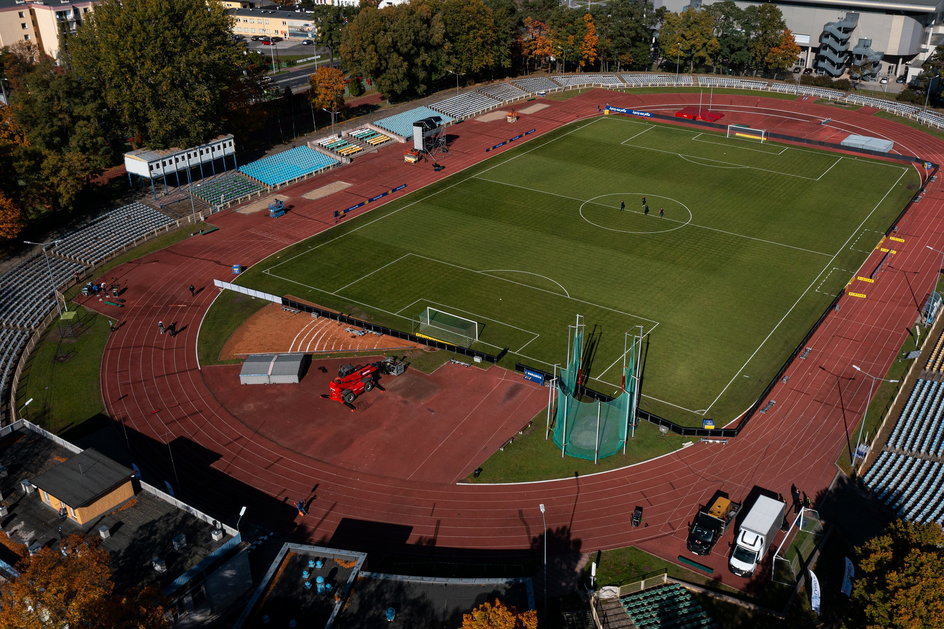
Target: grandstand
<point>340,146</point>
<point>582,80</point>
<point>667,606</point>
<point>465,105</point>
<point>726,81</point>
<point>113,230</point>
<point>647,80</point>
<point>402,124</point>
<point>287,166</point>
<point>225,188</point>
<point>533,85</point>
<point>369,136</point>
<point>504,92</point>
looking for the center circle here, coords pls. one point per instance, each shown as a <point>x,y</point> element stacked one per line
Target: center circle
<point>592,206</point>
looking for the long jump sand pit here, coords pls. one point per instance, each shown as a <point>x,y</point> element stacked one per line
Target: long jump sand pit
<point>260,204</point>
<point>533,109</point>
<point>431,427</point>
<point>326,191</point>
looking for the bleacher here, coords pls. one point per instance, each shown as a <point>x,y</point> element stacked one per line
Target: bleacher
<point>730,81</point>
<point>903,109</point>
<point>504,92</point>
<point>908,472</point>
<point>95,242</point>
<point>402,123</point>
<point>580,80</point>
<point>466,105</point>
<point>807,90</point>
<point>667,606</point>
<point>369,136</point>
<point>287,165</point>
<point>936,359</point>
<point>647,79</point>
<point>931,119</point>
<point>225,188</point>
<point>535,84</point>
<point>339,145</point>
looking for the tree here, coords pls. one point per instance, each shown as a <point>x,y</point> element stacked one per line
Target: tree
<point>900,577</point>
<point>505,42</point>
<point>11,219</point>
<point>537,44</point>
<point>74,588</point>
<point>468,44</point>
<point>168,72</point>
<point>732,29</point>
<point>329,22</point>
<point>784,55</point>
<point>327,88</point>
<point>766,25</point>
<point>589,42</point>
<point>498,616</point>
<point>626,30</point>
<point>689,36</point>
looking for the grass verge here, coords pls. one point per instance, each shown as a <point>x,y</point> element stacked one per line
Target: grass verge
<point>228,312</point>
<point>911,123</point>
<point>531,458</point>
<point>62,374</point>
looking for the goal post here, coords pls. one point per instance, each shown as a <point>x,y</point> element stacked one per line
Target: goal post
<point>741,132</point>
<point>447,326</point>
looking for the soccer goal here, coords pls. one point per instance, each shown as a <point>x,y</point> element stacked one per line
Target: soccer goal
<point>447,326</point>
<point>746,133</point>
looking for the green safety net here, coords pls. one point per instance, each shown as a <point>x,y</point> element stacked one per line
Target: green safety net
<point>592,430</point>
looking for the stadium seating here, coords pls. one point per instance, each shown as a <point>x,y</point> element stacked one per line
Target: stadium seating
<point>729,81</point>
<point>369,136</point>
<point>665,607</point>
<point>108,233</point>
<point>931,119</point>
<point>339,145</point>
<point>402,123</point>
<point>466,105</point>
<point>902,109</point>
<point>287,165</point>
<point>580,80</point>
<point>225,188</point>
<point>504,92</point>
<point>646,80</point>
<point>535,84</point>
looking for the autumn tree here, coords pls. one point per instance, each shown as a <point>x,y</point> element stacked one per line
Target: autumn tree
<point>589,42</point>
<point>766,25</point>
<point>783,55</point>
<point>900,577</point>
<point>74,588</point>
<point>499,616</point>
<point>537,44</point>
<point>167,71</point>
<point>468,43</point>
<point>327,88</point>
<point>11,219</point>
<point>689,37</point>
<point>505,41</point>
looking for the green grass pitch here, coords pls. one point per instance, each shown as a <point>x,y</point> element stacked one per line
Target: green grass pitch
<point>756,240</point>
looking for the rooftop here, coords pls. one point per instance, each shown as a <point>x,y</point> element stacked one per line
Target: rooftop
<point>83,479</point>
<point>272,12</point>
<point>139,530</point>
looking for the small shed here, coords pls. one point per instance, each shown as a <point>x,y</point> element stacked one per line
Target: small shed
<point>85,486</point>
<point>868,143</point>
<point>286,369</point>
<point>272,369</point>
<point>255,369</point>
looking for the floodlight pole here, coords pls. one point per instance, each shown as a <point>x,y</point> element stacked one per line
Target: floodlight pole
<point>940,268</point>
<point>52,285</point>
<point>868,401</point>
<point>457,75</point>
<point>332,117</point>
<point>544,521</point>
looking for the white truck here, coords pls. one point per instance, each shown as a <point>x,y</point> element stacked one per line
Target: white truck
<point>755,535</point>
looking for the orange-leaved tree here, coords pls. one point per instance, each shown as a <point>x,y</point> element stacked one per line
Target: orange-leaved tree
<point>499,616</point>
<point>11,219</point>
<point>327,88</point>
<point>589,43</point>
<point>537,43</point>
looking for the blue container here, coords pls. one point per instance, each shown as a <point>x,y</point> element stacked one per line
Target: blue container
<point>237,269</point>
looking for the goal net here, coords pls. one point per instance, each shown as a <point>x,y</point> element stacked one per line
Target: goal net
<point>788,561</point>
<point>447,326</point>
<point>741,132</point>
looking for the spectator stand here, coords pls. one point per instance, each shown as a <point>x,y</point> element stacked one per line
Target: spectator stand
<point>288,166</point>
<point>161,163</point>
<point>227,189</point>
<point>401,125</point>
<point>503,92</point>
<point>370,137</point>
<point>537,85</point>
<point>588,80</point>
<point>466,105</point>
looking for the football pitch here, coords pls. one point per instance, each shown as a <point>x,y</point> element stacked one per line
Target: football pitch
<point>753,242</point>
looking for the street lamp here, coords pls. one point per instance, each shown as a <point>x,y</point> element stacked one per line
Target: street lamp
<point>332,117</point>
<point>941,268</point>
<point>544,520</point>
<point>25,404</point>
<point>457,74</point>
<point>52,285</point>
<point>868,401</point>
<point>241,513</point>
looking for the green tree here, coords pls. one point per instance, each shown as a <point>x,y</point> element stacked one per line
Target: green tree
<point>329,22</point>
<point>168,71</point>
<point>505,41</point>
<point>688,37</point>
<point>469,39</point>
<point>732,30</point>
<point>766,25</point>
<point>626,29</point>
<point>900,578</point>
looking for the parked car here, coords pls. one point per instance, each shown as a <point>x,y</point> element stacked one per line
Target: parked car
<point>883,80</point>
<point>797,70</point>
<point>254,38</point>
<point>808,71</point>
<point>902,79</point>
<point>307,42</point>
<point>276,39</point>
<point>266,42</point>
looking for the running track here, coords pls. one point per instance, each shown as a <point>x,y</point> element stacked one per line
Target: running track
<point>151,383</point>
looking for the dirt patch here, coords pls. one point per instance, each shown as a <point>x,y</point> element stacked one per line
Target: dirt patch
<point>533,109</point>
<point>261,204</point>
<point>274,330</point>
<point>491,116</point>
<point>328,190</point>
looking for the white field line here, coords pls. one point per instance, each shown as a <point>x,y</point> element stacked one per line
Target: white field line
<point>691,224</point>
<point>649,128</point>
<point>429,196</point>
<point>338,290</point>
<point>828,169</point>
<point>490,271</point>
<point>828,265</point>
<point>826,279</point>
<point>698,136</point>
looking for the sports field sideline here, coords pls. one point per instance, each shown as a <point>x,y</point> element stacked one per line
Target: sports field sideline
<point>755,240</point>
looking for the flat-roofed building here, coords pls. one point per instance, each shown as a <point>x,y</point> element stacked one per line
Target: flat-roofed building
<point>41,21</point>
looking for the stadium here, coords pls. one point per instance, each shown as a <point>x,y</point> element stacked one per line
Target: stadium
<point>736,278</point>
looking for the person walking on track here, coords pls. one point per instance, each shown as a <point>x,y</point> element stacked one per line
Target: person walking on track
<point>160,326</point>
<point>193,291</point>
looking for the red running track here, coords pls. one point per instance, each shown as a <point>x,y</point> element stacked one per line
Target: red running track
<point>151,382</point>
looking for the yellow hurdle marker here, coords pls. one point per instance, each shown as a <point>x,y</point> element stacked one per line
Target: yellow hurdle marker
<point>866,279</point>
<point>859,295</point>
<point>896,239</point>
<point>885,250</point>
<point>880,242</point>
